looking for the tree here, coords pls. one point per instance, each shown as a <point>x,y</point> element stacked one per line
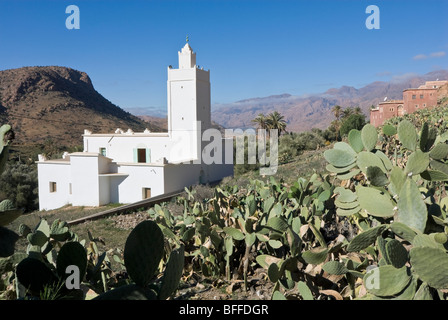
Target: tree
<point>261,121</point>
<point>277,121</point>
<point>347,112</point>
<point>354,121</point>
<point>19,184</point>
<point>337,111</point>
<point>357,110</point>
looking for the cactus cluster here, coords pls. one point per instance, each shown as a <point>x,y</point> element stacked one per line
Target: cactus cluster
<point>51,248</point>
<point>398,201</point>
<point>143,253</point>
<point>374,227</point>
<point>42,272</point>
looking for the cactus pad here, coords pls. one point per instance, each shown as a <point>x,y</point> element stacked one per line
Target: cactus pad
<point>412,210</point>
<point>407,135</point>
<point>172,274</point>
<point>369,136</point>
<point>72,253</point>
<point>396,253</point>
<point>335,267</point>
<point>403,231</point>
<point>339,158</point>
<point>34,275</point>
<point>144,248</point>
<point>386,281</point>
<point>375,202</point>
<point>366,238</point>
<point>355,140</point>
<point>431,266</point>
<point>418,161</point>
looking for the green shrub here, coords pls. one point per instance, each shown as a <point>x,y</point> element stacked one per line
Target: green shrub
<point>19,183</point>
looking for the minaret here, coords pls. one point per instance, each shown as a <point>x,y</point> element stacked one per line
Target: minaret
<point>188,99</point>
<point>187,58</point>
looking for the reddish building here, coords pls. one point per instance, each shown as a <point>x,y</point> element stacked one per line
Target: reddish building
<point>414,99</point>
<point>424,96</point>
<point>386,110</point>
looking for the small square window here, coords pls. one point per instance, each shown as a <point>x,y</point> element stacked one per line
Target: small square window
<point>146,194</point>
<point>103,151</point>
<point>414,96</point>
<point>421,96</point>
<point>52,186</point>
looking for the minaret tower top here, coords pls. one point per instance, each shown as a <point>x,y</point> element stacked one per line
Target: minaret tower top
<point>187,58</point>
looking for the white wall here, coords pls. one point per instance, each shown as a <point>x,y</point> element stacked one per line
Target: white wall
<point>104,190</point>
<point>85,180</point>
<point>55,172</point>
<point>203,106</point>
<point>130,189</point>
<point>120,147</point>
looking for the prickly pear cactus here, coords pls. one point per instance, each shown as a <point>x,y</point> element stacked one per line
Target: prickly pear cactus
<point>395,198</point>
<point>143,253</point>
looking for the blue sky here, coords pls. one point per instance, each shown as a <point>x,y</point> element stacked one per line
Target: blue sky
<point>254,48</point>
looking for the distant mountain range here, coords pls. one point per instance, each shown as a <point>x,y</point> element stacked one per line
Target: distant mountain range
<point>303,113</point>
<point>58,103</point>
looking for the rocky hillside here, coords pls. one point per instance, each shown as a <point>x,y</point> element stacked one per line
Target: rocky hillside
<point>314,111</point>
<point>58,103</point>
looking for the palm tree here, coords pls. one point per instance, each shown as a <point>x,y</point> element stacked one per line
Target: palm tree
<point>336,111</point>
<point>347,112</point>
<point>261,121</point>
<point>277,121</point>
<point>357,110</point>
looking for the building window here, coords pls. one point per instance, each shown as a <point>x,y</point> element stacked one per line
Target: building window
<point>103,151</point>
<point>421,96</point>
<point>414,96</point>
<point>416,105</point>
<point>424,105</point>
<point>52,186</point>
<point>146,194</point>
<point>141,155</point>
<point>69,188</point>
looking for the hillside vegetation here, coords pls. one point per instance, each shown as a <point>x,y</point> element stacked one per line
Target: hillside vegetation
<point>51,107</point>
<point>357,213</point>
<point>372,225</point>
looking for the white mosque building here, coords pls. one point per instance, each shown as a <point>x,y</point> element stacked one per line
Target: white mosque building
<point>126,166</point>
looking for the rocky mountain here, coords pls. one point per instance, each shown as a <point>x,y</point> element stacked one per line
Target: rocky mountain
<point>303,113</point>
<point>58,103</point>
